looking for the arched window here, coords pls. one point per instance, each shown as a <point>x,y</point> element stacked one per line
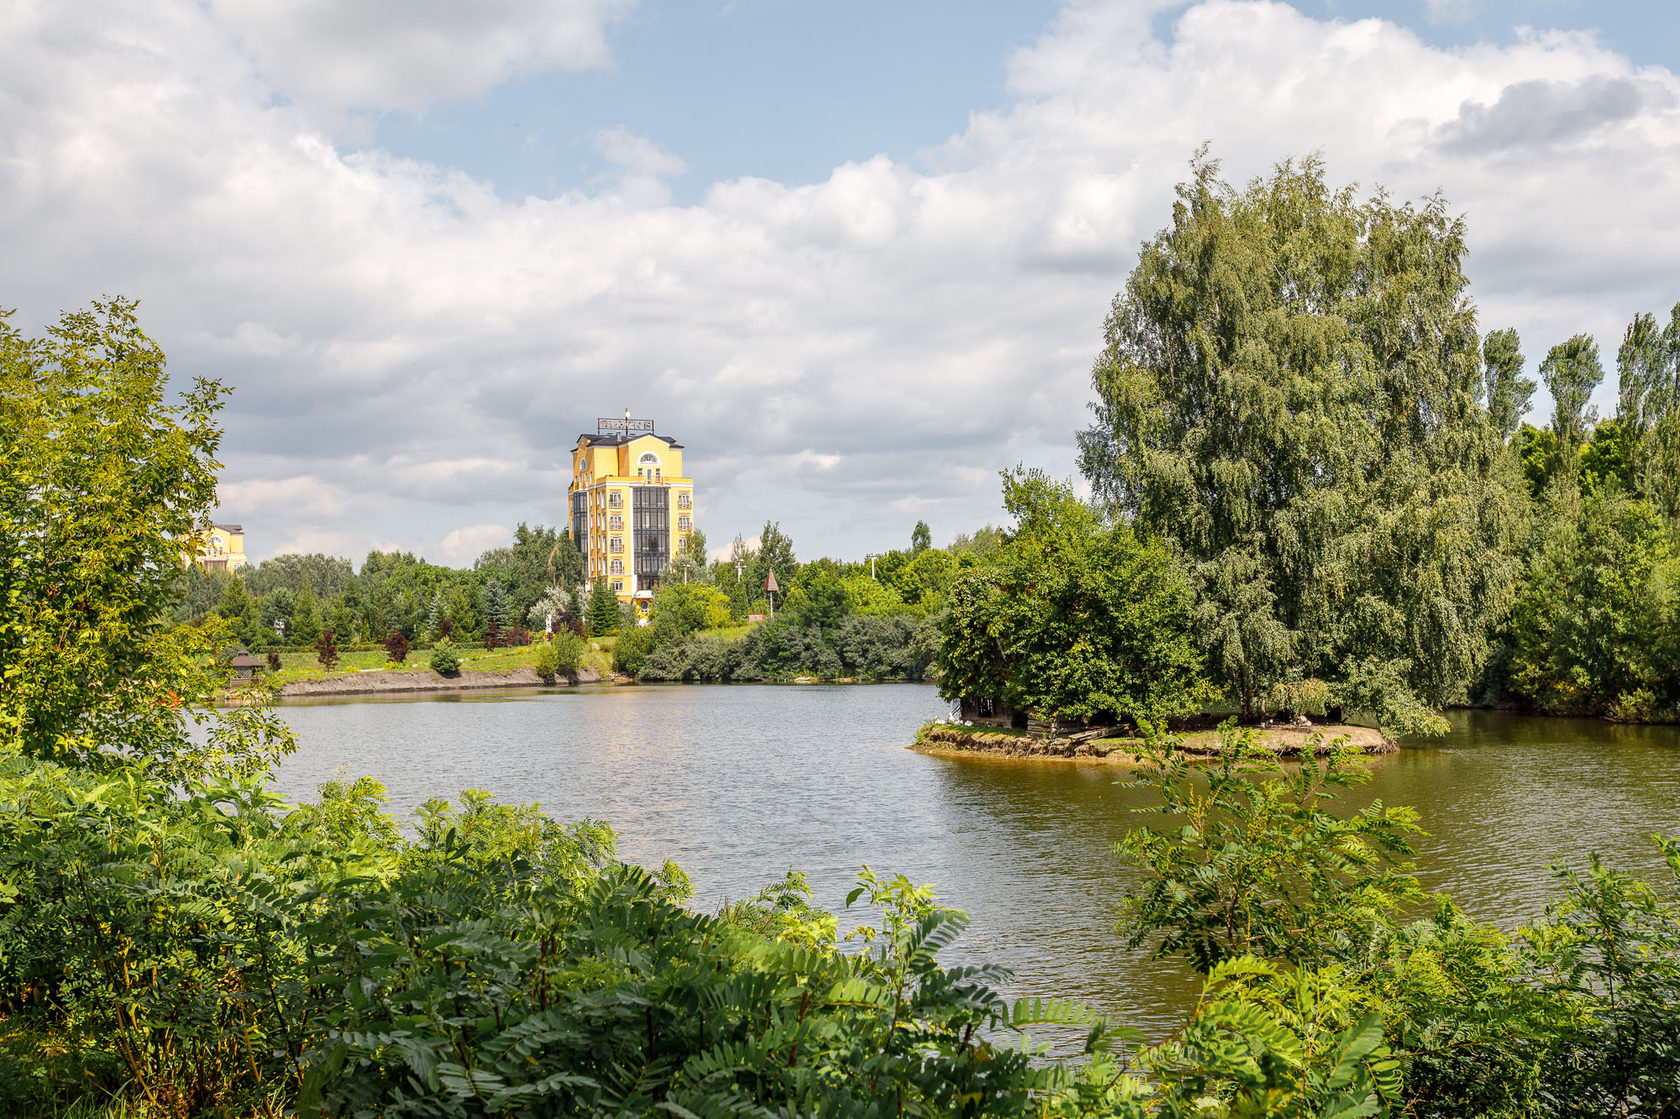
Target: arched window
<point>649,460</point>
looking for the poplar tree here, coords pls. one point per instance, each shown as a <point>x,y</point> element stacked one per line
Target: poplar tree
<point>1571,371</point>
<point>1508,391</point>
<point>1291,393</point>
<point>1648,365</point>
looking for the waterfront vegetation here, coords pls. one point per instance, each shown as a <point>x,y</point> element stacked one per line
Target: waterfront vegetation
<point>1313,492</point>
<point>1294,397</point>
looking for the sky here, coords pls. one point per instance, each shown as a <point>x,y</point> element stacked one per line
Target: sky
<point>856,258</point>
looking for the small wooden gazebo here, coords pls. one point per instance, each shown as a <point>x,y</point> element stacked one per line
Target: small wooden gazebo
<point>244,665</point>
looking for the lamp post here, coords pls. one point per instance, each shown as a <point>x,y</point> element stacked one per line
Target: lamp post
<point>872,557</point>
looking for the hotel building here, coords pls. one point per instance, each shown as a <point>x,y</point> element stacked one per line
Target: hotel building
<point>219,548</point>
<point>632,507</point>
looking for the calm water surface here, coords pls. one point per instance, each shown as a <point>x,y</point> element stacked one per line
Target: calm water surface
<point>739,783</point>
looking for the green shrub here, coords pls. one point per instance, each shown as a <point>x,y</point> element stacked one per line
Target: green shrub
<point>633,646</point>
<point>569,651</point>
<point>443,659</point>
<point>547,662</point>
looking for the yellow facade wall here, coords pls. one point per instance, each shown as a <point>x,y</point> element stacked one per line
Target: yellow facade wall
<point>607,471</point>
<point>219,548</point>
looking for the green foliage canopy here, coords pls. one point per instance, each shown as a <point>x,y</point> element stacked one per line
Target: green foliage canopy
<point>1290,394</point>
<point>1070,618</point>
<point>104,483</point>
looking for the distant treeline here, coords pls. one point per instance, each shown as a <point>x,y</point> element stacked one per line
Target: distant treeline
<point>286,602</point>
<point>833,619</point>
<point>828,618</point>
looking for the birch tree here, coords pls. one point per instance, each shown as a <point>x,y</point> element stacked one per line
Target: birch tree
<point>1291,393</point>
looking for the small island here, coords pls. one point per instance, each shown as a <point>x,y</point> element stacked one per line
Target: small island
<point>1121,745</point>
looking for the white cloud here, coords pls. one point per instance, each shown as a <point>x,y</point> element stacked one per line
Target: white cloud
<point>463,545</point>
<point>833,354</point>
<point>304,497</point>
<point>637,155</point>
<point>407,54</point>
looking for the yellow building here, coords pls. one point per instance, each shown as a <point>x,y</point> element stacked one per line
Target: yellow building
<point>221,548</point>
<point>632,506</point>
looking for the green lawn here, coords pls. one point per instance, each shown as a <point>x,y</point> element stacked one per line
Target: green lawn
<point>305,665</point>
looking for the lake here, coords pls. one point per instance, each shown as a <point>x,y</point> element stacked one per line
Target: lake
<point>738,783</point>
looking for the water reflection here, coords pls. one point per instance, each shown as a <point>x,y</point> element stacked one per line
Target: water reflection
<point>739,783</point>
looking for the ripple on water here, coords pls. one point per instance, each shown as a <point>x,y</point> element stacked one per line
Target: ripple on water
<point>737,784</point>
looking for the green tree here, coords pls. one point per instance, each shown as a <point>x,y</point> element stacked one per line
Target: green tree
<point>820,599</point>
<point>462,609</point>
<point>775,553</point>
<point>306,618</point>
<point>198,591</point>
<point>547,662</point>
<point>1607,459</point>
<point>1256,861</point>
<point>1289,394</point>
<point>603,609</point>
<point>444,660</point>
<point>923,582</point>
<point>1594,629</point>
<point>345,619</point>
<point>631,649</point>
<point>275,612</point>
<point>1071,618</point>
<point>1541,457</point>
<point>497,606</point>
<point>240,612</point>
<point>105,480</point>
<point>689,564</point>
<point>921,538</point>
<point>1570,372</point>
<point>870,598</point>
<point>1508,391</point>
<point>1648,367</point>
<point>981,541</point>
<point>680,609</point>
<point>538,558</point>
<point>555,606</point>
<point>569,652</point>
<point>328,576</point>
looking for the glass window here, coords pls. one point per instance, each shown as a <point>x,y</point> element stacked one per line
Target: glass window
<point>615,500</point>
<point>684,523</point>
<point>616,521</point>
<point>618,584</point>
<point>618,567</point>
<point>685,501</point>
<point>618,543</point>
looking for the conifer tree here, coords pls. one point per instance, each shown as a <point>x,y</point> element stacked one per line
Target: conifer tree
<point>496,605</point>
<point>603,609</point>
<point>306,619</point>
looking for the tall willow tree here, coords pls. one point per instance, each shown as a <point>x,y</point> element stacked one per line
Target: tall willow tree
<point>1291,393</point>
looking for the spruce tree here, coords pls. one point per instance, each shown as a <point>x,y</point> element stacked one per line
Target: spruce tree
<point>306,619</point>
<point>603,609</point>
<point>496,605</point>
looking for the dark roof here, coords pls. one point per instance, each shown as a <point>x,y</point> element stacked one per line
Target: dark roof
<point>242,659</point>
<point>230,528</point>
<point>617,439</point>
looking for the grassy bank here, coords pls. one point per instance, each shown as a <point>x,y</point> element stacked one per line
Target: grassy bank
<point>306,666</point>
